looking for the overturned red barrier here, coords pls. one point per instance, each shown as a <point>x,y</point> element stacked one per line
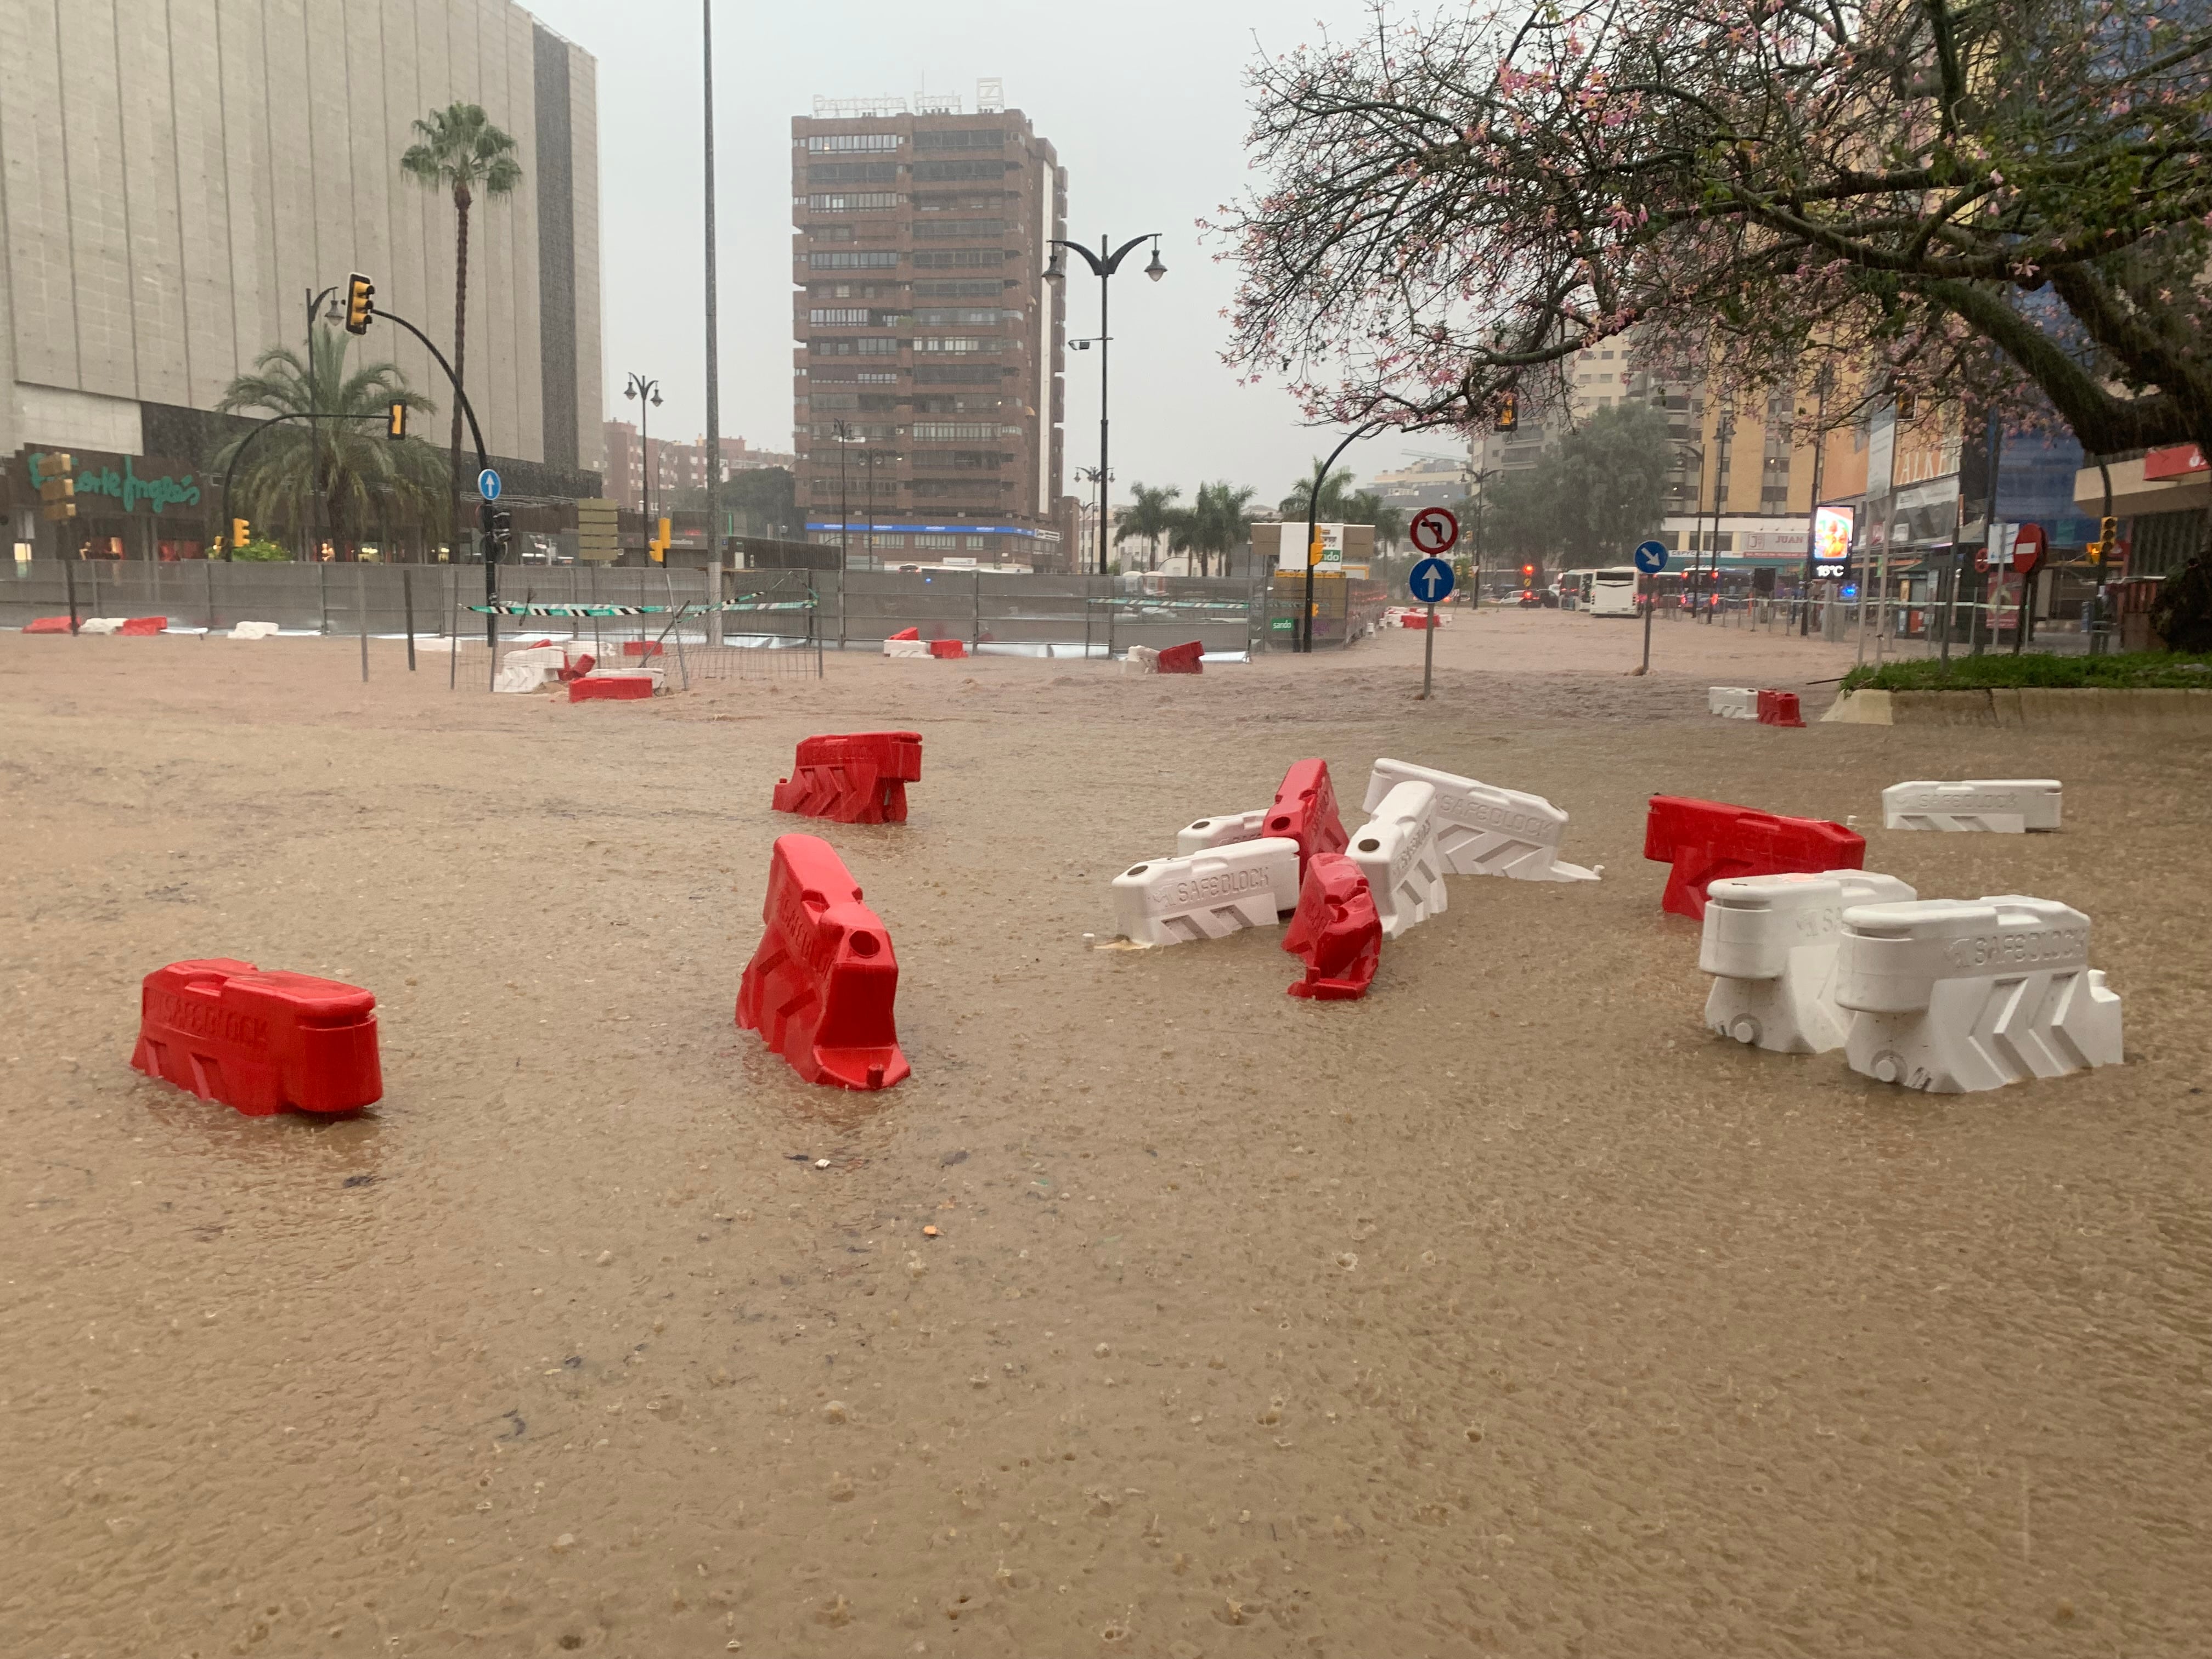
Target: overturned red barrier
<point>576,667</point>
<point>138,628</point>
<point>1335,931</point>
<point>610,687</point>
<point>905,634</point>
<point>47,625</point>
<point>1182,659</point>
<point>948,648</point>
<point>259,1042</point>
<point>820,987</point>
<point>1305,811</point>
<point>1707,839</point>
<point>858,777</point>
<point>1779,708</point>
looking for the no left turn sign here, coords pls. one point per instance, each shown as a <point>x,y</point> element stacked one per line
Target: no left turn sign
<point>1434,531</point>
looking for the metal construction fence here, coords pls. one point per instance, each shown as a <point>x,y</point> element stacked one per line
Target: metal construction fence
<point>992,612</point>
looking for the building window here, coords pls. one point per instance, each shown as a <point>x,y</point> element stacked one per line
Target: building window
<point>940,259</point>
<point>948,431</point>
<point>937,541</point>
<point>975,138</point>
<point>847,317</point>
<point>943,173</point>
<point>859,260</point>
<point>935,344</point>
<point>834,143</point>
<point>852,173</point>
<point>854,202</point>
<point>974,288</point>
<point>938,228</point>
<point>979,541</point>
<point>963,316</point>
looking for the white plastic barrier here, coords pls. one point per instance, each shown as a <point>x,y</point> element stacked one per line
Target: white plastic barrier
<point>1771,944</point>
<point>1955,994</point>
<point>1483,830</point>
<point>1207,895</point>
<point>253,630</point>
<point>2005,805</point>
<point>1734,703</point>
<point>102,625</point>
<point>1222,829</point>
<point>1396,850</point>
<point>906,648</point>
<point>530,668</point>
<point>1141,659</point>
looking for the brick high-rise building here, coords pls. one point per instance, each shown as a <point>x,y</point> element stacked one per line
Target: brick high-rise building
<point>926,331</point>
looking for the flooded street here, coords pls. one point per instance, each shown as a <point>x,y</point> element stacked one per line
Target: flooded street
<point>1505,1312</point>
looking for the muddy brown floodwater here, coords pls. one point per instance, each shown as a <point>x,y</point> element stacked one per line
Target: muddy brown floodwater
<point>1505,1312</point>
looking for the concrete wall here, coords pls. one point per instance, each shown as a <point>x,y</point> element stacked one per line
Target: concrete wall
<point>176,174</point>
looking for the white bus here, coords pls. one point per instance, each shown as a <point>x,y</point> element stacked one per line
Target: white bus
<point>1610,593</point>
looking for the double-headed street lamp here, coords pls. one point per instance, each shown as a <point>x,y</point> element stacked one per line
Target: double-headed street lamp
<point>648,394</point>
<point>1104,264</point>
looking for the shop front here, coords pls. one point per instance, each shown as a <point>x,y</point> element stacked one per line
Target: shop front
<point>128,507</point>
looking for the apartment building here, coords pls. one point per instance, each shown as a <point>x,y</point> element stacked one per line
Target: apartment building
<point>926,380</point>
<point>678,467</point>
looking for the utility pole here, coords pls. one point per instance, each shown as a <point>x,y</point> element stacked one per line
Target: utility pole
<point>713,346</point>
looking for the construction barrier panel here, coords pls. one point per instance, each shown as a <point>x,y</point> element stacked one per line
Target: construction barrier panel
<point>1484,830</point>
<point>529,668</point>
<point>905,645</point>
<point>952,650</point>
<point>1771,943</point>
<point>1305,811</point>
<point>253,630</point>
<point>644,649</point>
<point>905,634</point>
<point>2004,805</point>
<point>1951,995</point>
<point>1415,619</point>
<point>1182,659</point>
<point>1396,850</point>
<point>1335,931</point>
<point>1732,703</point>
<point>1207,895</point>
<point>854,777</point>
<point>139,628</point>
<point>1141,659</point>
<point>1223,829</point>
<point>613,685</point>
<point>1707,839</point>
<point>258,1041</point>
<point>822,986</point>
<point>1779,708</point>
<point>102,624</point>
<point>47,625</point>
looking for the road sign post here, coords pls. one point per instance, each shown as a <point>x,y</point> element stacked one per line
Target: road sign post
<point>1431,579</point>
<point>1650,560</point>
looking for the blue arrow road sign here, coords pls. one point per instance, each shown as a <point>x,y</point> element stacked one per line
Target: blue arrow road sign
<point>1651,557</point>
<point>1431,581</point>
<point>487,485</point>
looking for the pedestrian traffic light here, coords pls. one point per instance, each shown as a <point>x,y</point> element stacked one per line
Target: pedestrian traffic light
<point>396,426</point>
<point>361,303</point>
<point>240,532</point>
<point>1509,412</point>
<point>658,546</point>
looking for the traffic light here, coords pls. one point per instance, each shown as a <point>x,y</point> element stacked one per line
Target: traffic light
<point>240,532</point>
<point>658,546</point>
<point>57,486</point>
<point>2107,545</point>
<point>396,425</point>
<point>361,303</point>
<point>1509,412</point>
<point>500,523</point>
<point>1314,552</point>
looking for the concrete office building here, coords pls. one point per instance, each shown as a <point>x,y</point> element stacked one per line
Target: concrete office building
<point>178,178</point>
<point>926,326</point>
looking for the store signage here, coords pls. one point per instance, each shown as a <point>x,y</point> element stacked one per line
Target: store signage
<point>119,483</point>
<point>2176,461</point>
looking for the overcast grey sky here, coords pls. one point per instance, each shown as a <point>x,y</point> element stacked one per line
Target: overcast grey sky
<point>1145,101</point>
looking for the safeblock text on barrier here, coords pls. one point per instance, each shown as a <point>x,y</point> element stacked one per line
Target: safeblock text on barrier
<point>1207,895</point>
<point>822,987</point>
<point>2002,806</point>
<point>1396,850</point>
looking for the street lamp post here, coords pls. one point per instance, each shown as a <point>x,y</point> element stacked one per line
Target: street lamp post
<point>314,434</point>
<point>1313,509</point>
<point>1104,264</point>
<point>843,435</point>
<point>648,394</point>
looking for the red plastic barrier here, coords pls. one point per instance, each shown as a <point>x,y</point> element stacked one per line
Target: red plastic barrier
<point>1182,659</point>
<point>948,648</point>
<point>581,666</point>
<point>858,777</point>
<point>1779,708</point>
<point>820,987</point>
<point>610,687</point>
<point>905,634</point>
<point>258,1041</point>
<point>1707,839</point>
<point>644,649</point>
<point>1414,619</point>
<point>1335,931</point>
<point>140,627</point>
<point>1305,812</point>
<point>47,625</point>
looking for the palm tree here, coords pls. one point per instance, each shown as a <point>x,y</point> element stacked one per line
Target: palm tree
<point>343,457</point>
<point>1335,497</point>
<point>1221,525</point>
<point>460,147</point>
<point>1147,517</point>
